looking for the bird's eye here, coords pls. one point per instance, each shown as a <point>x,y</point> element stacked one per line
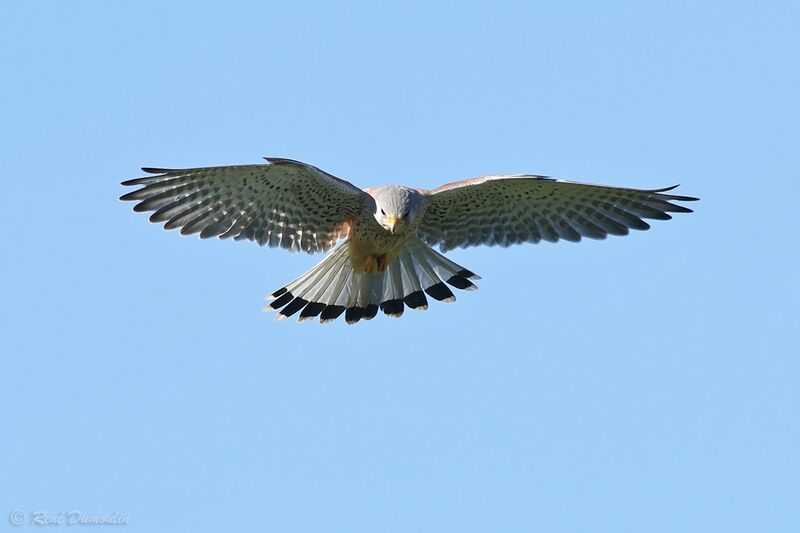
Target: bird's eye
<point>405,215</point>
<point>383,212</point>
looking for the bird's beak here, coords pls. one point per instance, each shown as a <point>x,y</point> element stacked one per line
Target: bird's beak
<point>392,223</point>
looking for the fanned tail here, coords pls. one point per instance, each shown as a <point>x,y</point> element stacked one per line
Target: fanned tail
<point>333,286</point>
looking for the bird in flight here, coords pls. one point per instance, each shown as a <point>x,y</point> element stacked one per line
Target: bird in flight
<point>384,259</point>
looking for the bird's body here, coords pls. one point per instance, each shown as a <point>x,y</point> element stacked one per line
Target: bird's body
<point>373,245</point>
<point>384,259</point>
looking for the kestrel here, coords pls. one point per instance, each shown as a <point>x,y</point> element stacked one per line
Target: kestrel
<point>385,260</point>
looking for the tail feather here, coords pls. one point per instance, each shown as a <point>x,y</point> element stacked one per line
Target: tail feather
<point>392,302</point>
<point>296,295</point>
<point>451,272</point>
<point>341,279</point>
<point>333,287</point>
<point>326,285</point>
<point>325,289</point>
<point>408,273</point>
<point>431,279</point>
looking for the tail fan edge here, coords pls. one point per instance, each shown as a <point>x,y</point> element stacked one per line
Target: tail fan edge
<point>333,287</point>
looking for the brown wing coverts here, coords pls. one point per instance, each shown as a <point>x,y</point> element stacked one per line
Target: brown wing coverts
<point>283,203</point>
<point>505,210</point>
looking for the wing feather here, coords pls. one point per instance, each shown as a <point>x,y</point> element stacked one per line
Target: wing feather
<point>506,210</point>
<point>282,203</point>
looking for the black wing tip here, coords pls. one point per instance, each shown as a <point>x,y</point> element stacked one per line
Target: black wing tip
<point>666,189</point>
<point>147,179</point>
<point>675,196</point>
<point>157,170</point>
<point>280,160</point>
<point>133,182</point>
<point>684,198</point>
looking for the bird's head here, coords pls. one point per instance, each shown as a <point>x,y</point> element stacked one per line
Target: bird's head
<point>397,208</point>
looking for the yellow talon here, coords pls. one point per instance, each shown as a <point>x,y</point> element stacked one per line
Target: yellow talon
<point>369,264</point>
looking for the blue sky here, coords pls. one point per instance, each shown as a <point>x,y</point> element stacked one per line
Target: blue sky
<point>646,383</point>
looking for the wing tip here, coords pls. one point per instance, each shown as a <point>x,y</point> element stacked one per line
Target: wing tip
<point>157,170</point>
<point>282,160</point>
<point>131,182</point>
<point>147,179</point>
<point>676,197</point>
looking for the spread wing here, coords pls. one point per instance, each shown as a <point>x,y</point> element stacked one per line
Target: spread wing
<point>282,203</point>
<point>507,210</point>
